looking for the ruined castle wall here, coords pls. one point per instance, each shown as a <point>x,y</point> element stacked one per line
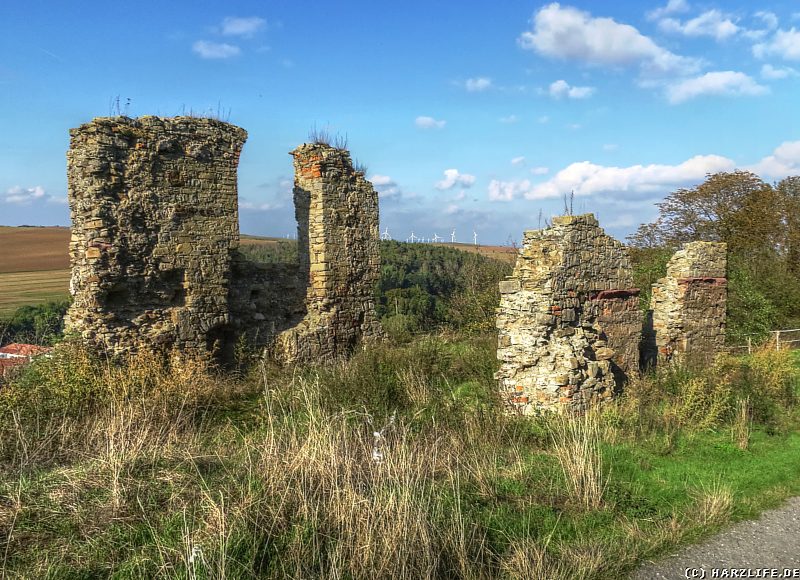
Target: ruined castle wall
<point>153,203</point>
<point>689,304</point>
<point>339,256</point>
<point>568,322</point>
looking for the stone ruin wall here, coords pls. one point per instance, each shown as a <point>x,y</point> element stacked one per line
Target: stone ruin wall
<point>339,255</point>
<point>155,239</point>
<point>688,306</point>
<point>155,225</point>
<point>568,322</point>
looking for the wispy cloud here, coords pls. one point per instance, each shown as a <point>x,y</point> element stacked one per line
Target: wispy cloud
<point>478,84</point>
<point>18,195</point>
<point>672,7</point>
<point>239,26</point>
<point>720,83</point>
<point>424,122</point>
<point>773,73</point>
<point>518,160</point>
<point>560,89</point>
<point>540,170</point>
<point>215,50</point>
<point>712,23</point>
<point>453,177</point>
<point>510,120</point>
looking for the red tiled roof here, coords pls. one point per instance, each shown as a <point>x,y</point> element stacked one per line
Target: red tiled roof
<point>24,349</point>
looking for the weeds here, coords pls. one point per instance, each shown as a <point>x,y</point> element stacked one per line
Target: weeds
<point>393,464</point>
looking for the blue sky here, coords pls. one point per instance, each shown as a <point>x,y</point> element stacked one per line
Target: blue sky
<point>469,116</point>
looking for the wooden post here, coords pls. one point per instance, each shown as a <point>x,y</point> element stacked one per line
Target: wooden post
<point>749,345</point>
<point>778,340</point>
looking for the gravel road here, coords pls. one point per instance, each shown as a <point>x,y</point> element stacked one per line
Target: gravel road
<point>770,542</point>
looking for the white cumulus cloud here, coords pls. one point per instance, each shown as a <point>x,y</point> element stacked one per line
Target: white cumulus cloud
<point>507,190</point>
<point>429,123</point>
<point>586,178</point>
<point>572,34</point>
<point>215,50</point>
<point>784,161</point>
<point>561,88</point>
<point>784,44</point>
<point>385,186</point>
<point>477,85</point>
<point>246,27</point>
<point>720,83</point>
<point>711,23</point>
<point>453,177</point>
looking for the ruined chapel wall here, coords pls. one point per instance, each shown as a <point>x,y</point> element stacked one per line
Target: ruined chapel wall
<point>568,322</point>
<point>153,203</point>
<point>689,304</point>
<point>339,256</point>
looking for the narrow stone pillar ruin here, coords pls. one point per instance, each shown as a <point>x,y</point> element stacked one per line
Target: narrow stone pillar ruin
<point>339,256</point>
<point>155,222</point>
<point>688,306</point>
<point>568,322</point>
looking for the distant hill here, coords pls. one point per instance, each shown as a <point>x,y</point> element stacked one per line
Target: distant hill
<point>36,249</point>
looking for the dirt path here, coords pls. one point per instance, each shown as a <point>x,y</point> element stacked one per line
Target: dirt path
<point>750,549</point>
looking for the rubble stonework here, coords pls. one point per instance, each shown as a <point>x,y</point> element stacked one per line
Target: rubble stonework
<point>568,322</point>
<point>339,255</point>
<point>155,236</point>
<point>689,304</point>
<point>155,223</point>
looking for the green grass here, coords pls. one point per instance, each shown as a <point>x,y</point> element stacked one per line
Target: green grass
<point>128,471</point>
<point>30,288</point>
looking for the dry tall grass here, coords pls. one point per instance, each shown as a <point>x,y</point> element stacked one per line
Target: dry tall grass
<point>577,442</point>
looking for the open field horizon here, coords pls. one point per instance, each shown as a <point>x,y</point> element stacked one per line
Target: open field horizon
<point>34,262</point>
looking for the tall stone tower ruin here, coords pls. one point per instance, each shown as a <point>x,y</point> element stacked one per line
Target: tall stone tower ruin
<point>568,322</point>
<point>339,255</point>
<point>155,222</point>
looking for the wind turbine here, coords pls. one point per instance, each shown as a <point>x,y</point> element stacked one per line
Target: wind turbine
<point>436,238</point>
<point>474,237</point>
<point>385,235</point>
<point>453,237</point>
<point>412,238</point>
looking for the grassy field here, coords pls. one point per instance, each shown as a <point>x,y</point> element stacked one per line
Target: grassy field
<point>31,288</point>
<point>395,464</point>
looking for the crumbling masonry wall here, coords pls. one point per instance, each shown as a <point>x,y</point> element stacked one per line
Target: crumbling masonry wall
<point>339,256</point>
<point>568,322</point>
<point>155,225</point>
<point>155,236</point>
<point>688,306</point>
